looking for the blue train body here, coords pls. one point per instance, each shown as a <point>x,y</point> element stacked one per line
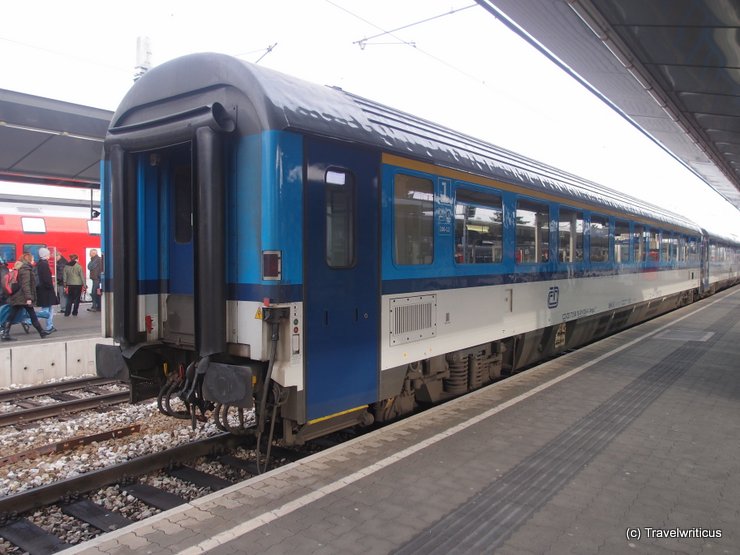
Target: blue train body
<point>330,261</point>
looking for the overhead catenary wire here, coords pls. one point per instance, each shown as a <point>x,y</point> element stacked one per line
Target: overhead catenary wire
<point>364,42</point>
<point>65,55</point>
<point>412,44</point>
<point>263,51</point>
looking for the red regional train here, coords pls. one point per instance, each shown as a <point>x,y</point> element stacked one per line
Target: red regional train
<point>26,227</point>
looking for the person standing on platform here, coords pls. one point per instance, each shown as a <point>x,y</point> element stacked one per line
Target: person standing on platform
<point>61,263</point>
<point>95,268</point>
<point>23,299</point>
<point>74,280</point>
<point>46,296</point>
<point>3,272</point>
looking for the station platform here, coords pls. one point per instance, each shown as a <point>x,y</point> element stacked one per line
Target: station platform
<point>69,351</point>
<point>627,445</point>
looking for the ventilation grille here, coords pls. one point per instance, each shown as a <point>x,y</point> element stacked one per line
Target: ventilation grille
<point>413,318</point>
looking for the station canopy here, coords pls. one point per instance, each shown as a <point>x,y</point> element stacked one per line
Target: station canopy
<point>50,142</point>
<point>671,67</point>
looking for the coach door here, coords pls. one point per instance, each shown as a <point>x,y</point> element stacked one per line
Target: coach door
<point>341,278</point>
<point>177,252</point>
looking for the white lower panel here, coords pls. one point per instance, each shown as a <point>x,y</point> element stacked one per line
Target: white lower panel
<point>475,315</point>
<point>246,328</point>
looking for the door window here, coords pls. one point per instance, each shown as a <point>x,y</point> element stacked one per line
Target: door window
<point>340,220</point>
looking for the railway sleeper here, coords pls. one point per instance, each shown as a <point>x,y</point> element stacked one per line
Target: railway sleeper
<point>31,538</point>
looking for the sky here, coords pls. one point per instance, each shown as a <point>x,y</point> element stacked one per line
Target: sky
<point>462,69</point>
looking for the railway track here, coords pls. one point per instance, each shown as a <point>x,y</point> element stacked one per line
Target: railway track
<point>28,408</point>
<point>72,496</point>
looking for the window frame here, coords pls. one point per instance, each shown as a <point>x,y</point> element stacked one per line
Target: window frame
<point>9,248</point>
<point>603,220</point>
<point>350,189</point>
<point>496,204</point>
<point>430,251</point>
<point>543,238</point>
<point>575,239</point>
<point>33,224</point>
<point>619,222</point>
<point>33,248</point>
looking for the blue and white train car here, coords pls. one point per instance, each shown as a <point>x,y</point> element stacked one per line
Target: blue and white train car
<point>332,261</point>
<point>720,262</point>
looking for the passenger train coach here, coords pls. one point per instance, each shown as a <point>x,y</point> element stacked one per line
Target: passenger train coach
<point>332,261</point>
<point>64,229</point>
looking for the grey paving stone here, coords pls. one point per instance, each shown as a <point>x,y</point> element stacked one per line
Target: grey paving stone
<point>674,464</point>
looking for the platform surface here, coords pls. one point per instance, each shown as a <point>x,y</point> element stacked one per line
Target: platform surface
<point>627,445</point>
<point>85,324</point>
<point>68,352</point>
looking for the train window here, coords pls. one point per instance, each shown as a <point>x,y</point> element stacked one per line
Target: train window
<point>653,244</point>
<point>33,248</point>
<point>570,236</point>
<point>478,227</point>
<point>621,242</point>
<point>599,230</point>
<point>693,250</point>
<point>182,186</point>
<point>33,225</point>
<point>638,244</point>
<point>665,246</point>
<point>7,253</point>
<point>340,220</point>
<point>673,247</point>
<point>414,220</point>
<point>93,227</point>
<point>532,232</point>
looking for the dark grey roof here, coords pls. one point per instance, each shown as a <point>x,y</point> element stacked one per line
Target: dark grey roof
<point>50,142</point>
<point>278,101</point>
<point>670,66</point>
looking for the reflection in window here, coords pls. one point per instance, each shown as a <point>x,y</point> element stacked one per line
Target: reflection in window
<point>532,232</point>
<point>340,232</point>
<point>638,243</point>
<point>653,245</point>
<point>665,246</point>
<point>414,220</point>
<point>93,227</point>
<point>672,247</point>
<point>33,225</point>
<point>599,229</point>
<point>7,253</point>
<point>693,250</point>
<point>570,236</point>
<point>621,242</point>
<point>478,227</point>
<point>33,248</point>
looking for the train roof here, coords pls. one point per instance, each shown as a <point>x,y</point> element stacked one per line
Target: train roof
<point>282,102</point>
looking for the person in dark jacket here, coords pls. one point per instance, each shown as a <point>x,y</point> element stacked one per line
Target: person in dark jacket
<point>61,263</point>
<point>95,268</point>
<point>23,299</point>
<point>46,296</point>
<point>3,272</point>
